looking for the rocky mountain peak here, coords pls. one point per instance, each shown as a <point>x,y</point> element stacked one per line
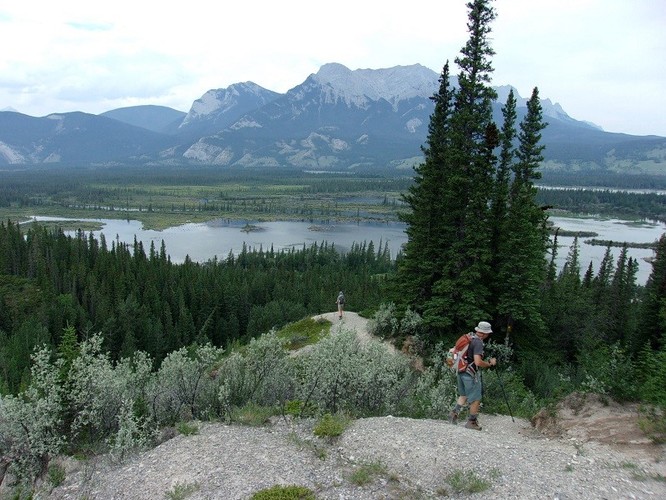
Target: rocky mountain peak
<point>392,84</point>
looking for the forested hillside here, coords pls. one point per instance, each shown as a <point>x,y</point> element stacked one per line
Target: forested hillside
<point>139,300</point>
<point>102,344</point>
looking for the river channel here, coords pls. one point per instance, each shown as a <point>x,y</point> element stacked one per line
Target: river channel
<point>204,241</point>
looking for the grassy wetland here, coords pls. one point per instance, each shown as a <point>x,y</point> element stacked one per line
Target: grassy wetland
<point>162,197</point>
<point>166,197</point>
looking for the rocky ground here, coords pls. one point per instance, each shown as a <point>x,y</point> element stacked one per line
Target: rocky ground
<point>399,458</point>
<point>588,448</point>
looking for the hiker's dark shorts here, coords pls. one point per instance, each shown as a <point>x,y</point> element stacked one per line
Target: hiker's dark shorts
<point>470,386</point>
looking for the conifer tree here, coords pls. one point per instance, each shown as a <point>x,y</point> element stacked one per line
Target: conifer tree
<point>449,276</point>
<point>419,265</point>
<point>652,325</point>
<point>503,177</point>
<point>461,293</point>
<point>621,294</point>
<point>524,235</point>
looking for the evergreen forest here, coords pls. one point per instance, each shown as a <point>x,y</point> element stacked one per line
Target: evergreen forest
<point>102,343</point>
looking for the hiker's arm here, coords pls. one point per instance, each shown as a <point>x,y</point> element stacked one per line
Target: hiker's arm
<point>479,361</point>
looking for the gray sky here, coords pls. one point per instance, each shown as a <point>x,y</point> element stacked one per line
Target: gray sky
<point>602,60</point>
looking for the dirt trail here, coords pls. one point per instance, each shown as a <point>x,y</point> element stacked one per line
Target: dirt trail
<point>351,321</point>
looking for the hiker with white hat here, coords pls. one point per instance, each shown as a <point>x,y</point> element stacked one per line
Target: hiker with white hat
<point>470,384</point>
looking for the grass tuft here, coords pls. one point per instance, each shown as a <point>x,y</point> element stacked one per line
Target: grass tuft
<point>180,491</point>
<point>187,428</point>
<point>365,473</point>
<point>467,482</point>
<point>279,492</point>
<point>252,414</point>
<point>331,425</point>
<point>56,475</point>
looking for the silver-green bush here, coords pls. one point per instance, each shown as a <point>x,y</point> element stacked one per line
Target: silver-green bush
<point>385,323</point>
<point>186,385</point>
<point>259,374</point>
<point>96,389</point>
<point>31,423</point>
<point>342,374</point>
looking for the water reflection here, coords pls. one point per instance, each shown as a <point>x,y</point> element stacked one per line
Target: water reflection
<point>219,238</point>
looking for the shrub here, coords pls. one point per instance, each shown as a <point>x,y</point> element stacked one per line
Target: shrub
<point>435,389</point>
<point>652,422</point>
<point>504,392</point>
<point>187,428</point>
<point>385,324</point>
<point>607,369</point>
<point>260,374</point>
<point>134,432</point>
<point>341,374</point>
<point>96,390</point>
<point>185,385</point>
<point>433,395</point>
<point>31,423</point>
<point>411,323</point>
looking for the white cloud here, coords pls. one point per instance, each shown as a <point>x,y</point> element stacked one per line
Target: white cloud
<point>600,59</point>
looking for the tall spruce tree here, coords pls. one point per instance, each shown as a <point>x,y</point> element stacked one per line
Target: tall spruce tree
<point>462,202</point>
<point>420,264</point>
<point>524,235</point>
<point>461,295</point>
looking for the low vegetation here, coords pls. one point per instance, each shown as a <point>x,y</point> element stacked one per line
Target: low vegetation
<point>331,426</point>
<point>467,481</point>
<point>280,492</point>
<point>304,332</point>
<point>181,491</point>
<point>366,473</point>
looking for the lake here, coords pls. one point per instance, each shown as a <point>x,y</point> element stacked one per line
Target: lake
<point>203,241</point>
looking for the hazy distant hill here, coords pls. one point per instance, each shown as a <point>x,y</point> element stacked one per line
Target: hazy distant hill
<point>73,138</point>
<point>155,118</point>
<point>336,119</point>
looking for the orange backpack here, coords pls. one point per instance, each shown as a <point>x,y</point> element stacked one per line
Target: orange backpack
<point>456,358</point>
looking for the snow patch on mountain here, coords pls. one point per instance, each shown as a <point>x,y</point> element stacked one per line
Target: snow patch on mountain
<point>249,160</point>
<point>202,151</point>
<point>60,127</point>
<point>413,125</point>
<point>246,122</point>
<point>357,87</point>
<point>53,158</point>
<point>10,154</point>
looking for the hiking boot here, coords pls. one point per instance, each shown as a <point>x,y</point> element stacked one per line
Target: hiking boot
<point>473,424</point>
<point>453,418</point>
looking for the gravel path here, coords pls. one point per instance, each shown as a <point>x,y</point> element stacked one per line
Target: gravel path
<point>416,457</point>
<point>406,458</point>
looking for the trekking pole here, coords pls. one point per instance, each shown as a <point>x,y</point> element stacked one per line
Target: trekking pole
<point>504,393</point>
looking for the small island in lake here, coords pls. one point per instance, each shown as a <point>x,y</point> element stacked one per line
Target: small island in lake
<point>252,228</point>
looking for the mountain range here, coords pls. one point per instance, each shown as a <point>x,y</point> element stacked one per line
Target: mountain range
<point>337,119</point>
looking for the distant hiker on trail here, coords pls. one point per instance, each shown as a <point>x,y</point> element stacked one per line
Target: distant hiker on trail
<point>340,301</point>
<point>470,384</point>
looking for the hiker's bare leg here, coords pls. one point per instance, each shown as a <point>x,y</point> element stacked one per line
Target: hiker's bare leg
<point>474,407</point>
<point>462,400</point>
